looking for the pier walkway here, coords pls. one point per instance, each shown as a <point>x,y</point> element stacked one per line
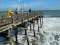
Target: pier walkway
<point>8,24</point>
<point>15,20</point>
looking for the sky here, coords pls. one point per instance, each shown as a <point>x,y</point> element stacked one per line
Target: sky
<point>33,4</point>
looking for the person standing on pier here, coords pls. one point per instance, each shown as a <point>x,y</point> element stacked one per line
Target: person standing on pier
<point>16,13</point>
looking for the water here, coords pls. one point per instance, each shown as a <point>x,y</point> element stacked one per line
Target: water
<point>52,28</point>
<point>55,13</point>
<point>3,14</point>
<point>49,34</point>
<point>51,13</point>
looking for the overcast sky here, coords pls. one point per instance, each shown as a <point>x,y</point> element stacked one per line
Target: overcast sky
<point>33,4</point>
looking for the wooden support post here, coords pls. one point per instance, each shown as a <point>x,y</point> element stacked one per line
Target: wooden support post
<point>9,35</point>
<point>16,32</point>
<point>28,41</point>
<point>34,30</point>
<point>22,20</point>
<point>12,19</point>
<point>30,26</point>
<point>38,25</point>
<point>37,19</point>
<point>41,21</point>
<point>27,37</point>
<point>26,34</point>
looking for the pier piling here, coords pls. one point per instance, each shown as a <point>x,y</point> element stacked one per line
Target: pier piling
<point>6,24</point>
<point>27,37</point>
<point>34,30</point>
<point>30,26</point>
<point>26,34</point>
<point>41,21</point>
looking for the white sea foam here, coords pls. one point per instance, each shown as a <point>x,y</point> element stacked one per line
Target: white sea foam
<point>49,33</point>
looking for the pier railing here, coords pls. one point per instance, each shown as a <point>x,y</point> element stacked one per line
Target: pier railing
<point>17,18</point>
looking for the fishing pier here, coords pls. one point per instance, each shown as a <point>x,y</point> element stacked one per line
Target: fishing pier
<point>20,20</point>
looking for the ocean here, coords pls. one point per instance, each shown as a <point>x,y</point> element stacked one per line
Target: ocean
<point>51,13</point>
<point>46,13</point>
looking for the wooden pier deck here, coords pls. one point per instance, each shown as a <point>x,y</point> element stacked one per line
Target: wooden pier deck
<point>9,24</point>
<point>15,20</point>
